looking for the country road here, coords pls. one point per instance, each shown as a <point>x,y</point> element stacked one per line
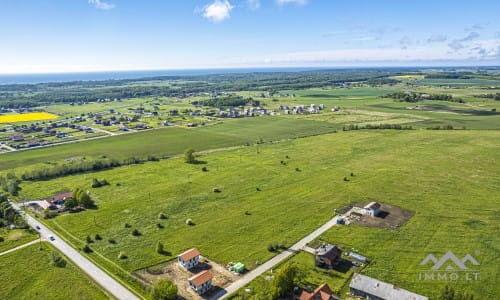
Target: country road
<point>101,277</point>
<point>20,247</point>
<point>233,287</point>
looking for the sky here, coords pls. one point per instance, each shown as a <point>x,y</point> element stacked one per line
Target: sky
<point>44,36</point>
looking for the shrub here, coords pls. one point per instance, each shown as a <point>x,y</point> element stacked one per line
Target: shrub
<point>162,216</point>
<point>127,225</point>
<point>258,189</point>
<point>112,241</point>
<point>136,232</point>
<point>98,237</point>
<point>1,239</point>
<point>159,248</point>
<point>346,179</point>
<point>204,169</point>
<point>216,190</point>
<point>57,260</point>
<point>87,249</point>
<point>189,222</point>
<point>352,174</point>
<point>297,169</point>
<point>89,239</point>
<point>122,255</point>
<point>160,226</point>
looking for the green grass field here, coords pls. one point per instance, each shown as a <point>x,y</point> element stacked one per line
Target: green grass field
<point>14,238</point>
<point>28,273</point>
<point>449,178</point>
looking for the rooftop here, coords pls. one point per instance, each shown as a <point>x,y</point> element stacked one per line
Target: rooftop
<point>323,292</point>
<point>328,249</point>
<point>201,278</point>
<point>189,254</point>
<point>382,289</point>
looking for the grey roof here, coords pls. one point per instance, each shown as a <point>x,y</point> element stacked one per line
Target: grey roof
<point>327,249</point>
<point>382,289</point>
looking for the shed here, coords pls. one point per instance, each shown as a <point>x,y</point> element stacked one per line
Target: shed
<point>238,268</point>
<point>372,209</point>
<point>357,256</point>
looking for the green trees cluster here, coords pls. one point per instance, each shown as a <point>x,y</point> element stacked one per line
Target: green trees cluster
<point>163,290</point>
<point>377,126</point>
<point>284,282</point>
<point>416,97</point>
<point>10,184</point>
<point>80,198</point>
<point>189,156</point>
<point>98,183</point>
<point>229,101</point>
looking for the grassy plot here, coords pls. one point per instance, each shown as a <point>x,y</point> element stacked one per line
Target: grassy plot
<point>281,192</point>
<point>173,141</point>
<point>14,238</point>
<point>29,273</point>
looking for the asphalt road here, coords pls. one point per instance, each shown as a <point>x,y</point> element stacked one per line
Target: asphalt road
<point>101,277</point>
<point>233,287</point>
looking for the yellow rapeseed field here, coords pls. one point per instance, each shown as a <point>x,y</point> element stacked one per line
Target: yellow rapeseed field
<point>409,76</point>
<point>38,116</point>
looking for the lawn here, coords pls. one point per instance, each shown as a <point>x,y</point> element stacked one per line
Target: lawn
<point>281,192</point>
<point>28,273</point>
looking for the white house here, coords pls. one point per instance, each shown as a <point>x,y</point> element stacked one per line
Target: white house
<point>372,209</point>
<point>189,259</point>
<point>201,282</point>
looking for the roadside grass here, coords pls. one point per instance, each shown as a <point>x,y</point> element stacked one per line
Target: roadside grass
<point>281,192</point>
<point>14,238</point>
<point>28,273</point>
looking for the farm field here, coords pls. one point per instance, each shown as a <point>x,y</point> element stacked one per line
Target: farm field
<point>37,278</point>
<point>268,190</point>
<point>14,238</point>
<point>27,117</point>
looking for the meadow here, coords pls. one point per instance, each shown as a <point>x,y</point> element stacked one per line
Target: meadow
<point>280,192</point>
<point>28,273</point>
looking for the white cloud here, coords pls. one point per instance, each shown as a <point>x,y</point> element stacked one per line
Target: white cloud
<point>437,38</point>
<point>460,43</point>
<point>284,2</point>
<point>218,11</point>
<point>101,4</point>
<point>253,4</point>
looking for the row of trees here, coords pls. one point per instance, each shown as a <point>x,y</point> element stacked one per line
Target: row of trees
<point>76,167</point>
<point>413,97</point>
<point>229,101</point>
<point>10,184</point>
<point>377,126</point>
<point>8,215</point>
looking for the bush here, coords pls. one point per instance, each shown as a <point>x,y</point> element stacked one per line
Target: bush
<point>216,190</point>
<point>98,237</point>
<point>136,232</point>
<point>87,249</point>
<point>57,260</point>
<point>159,248</point>
<point>1,239</point>
<point>346,179</point>
<point>112,241</point>
<point>189,222</point>
<point>162,216</point>
<point>122,255</point>
<point>127,225</point>
<point>160,226</point>
<point>164,290</point>
<point>204,169</point>
<point>89,239</point>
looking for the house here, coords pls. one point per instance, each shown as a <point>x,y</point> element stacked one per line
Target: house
<point>189,259</point>
<point>327,255</point>
<point>323,292</point>
<point>373,289</point>
<point>16,137</point>
<point>201,282</point>
<point>372,209</point>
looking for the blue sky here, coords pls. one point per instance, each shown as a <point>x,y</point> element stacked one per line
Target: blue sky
<point>98,35</point>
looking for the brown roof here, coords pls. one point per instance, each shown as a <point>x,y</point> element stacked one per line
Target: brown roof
<point>189,254</point>
<point>201,278</point>
<point>323,292</point>
<point>62,196</point>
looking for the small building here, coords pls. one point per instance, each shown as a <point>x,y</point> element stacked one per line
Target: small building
<point>323,292</point>
<point>189,259</point>
<point>201,282</point>
<point>327,255</point>
<point>238,268</point>
<point>372,209</point>
<point>373,289</point>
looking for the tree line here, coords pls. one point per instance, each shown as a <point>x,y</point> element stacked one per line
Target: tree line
<point>413,97</point>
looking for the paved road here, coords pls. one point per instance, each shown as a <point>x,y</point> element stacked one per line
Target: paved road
<point>102,278</point>
<point>274,261</point>
<point>103,131</point>
<point>20,247</point>
<point>7,147</point>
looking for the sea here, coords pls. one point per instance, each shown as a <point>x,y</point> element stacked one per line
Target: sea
<point>92,76</point>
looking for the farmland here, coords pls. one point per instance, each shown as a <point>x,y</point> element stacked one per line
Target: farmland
<point>274,176</point>
<point>15,118</point>
<point>385,165</point>
<point>36,277</point>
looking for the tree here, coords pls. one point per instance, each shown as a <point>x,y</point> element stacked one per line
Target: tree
<point>189,156</point>
<point>159,248</point>
<point>283,282</point>
<point>164,290</point>
<point>57,259</point>
<point>71,203</point>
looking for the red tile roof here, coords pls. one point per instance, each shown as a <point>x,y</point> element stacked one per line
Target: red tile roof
<point>201,278</point>
<point>323,292</point>
<point>62,196</point>
<point>189,254</point>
